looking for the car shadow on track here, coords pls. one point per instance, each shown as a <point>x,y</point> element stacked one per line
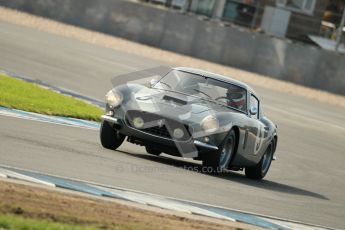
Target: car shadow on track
<point>230,176</point>
<point>271,185</point>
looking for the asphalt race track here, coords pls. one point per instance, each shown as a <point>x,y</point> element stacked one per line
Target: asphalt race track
<point>306,183</point>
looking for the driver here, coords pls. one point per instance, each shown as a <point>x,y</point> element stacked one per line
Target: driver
<point>236,97</point>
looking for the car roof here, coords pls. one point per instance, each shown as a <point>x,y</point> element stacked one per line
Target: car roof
<point>216,76</point>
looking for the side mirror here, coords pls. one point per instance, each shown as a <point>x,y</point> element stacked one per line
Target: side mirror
<point>153,82</point>
<point>253,110</point>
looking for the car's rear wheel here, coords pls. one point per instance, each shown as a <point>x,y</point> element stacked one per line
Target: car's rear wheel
<point>153,151</point>
<point>259,171</point>
<point>110,138</point>
<point>218,161</point>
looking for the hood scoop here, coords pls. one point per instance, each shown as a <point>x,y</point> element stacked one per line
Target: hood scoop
<point>174,100</point>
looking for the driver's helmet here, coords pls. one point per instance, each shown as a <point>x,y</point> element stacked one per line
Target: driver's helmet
<point>236,97</point>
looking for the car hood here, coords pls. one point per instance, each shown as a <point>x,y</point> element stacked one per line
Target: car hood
<point>176,103</point>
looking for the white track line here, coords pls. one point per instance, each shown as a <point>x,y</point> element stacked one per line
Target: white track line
<point>57,122</point>
<point>14,175</point>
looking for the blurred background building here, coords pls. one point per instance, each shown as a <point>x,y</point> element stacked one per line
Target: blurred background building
<point>294,19</point>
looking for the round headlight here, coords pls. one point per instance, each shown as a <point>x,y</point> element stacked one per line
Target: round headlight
<point>210,124</point>
<point>113,98</point>
<point>178,133</point>
<point>138,122</point>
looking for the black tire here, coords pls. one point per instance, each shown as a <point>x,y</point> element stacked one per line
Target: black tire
<point>217,161</point>
<point>110,138</point>
<point>259,171</point>
<point>153,151</point>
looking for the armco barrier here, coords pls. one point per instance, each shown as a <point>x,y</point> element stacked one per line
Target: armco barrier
<point>187,34</point>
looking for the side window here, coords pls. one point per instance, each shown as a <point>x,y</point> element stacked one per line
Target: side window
<point>254,104</point>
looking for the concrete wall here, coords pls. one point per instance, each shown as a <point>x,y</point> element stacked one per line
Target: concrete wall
<point>203,39</point>
<point>301,23</point>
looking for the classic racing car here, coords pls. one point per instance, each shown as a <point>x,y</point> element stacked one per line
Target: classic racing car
<point>196,114</point>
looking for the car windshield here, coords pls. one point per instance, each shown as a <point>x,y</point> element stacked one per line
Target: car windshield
<point>205,87</point>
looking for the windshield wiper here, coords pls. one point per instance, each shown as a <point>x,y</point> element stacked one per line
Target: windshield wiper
<point>199,91</point>
<point>224,105</point>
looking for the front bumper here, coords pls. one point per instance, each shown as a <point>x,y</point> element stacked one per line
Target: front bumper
<point>168,145</point>
<point>110,119</point>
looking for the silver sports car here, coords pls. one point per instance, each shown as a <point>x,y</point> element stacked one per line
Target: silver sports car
<point>197,114</point>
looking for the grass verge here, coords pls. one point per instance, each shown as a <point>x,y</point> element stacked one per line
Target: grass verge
<point>21,223</point>
<point>18,94</point>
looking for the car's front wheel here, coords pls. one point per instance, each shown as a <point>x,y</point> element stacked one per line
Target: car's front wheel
<point>110,138</point>
<point>259,171</point>
<point>218,161</point>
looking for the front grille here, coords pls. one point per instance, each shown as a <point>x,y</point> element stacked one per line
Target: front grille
<point>157,125</point>
<point>158,131</point>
